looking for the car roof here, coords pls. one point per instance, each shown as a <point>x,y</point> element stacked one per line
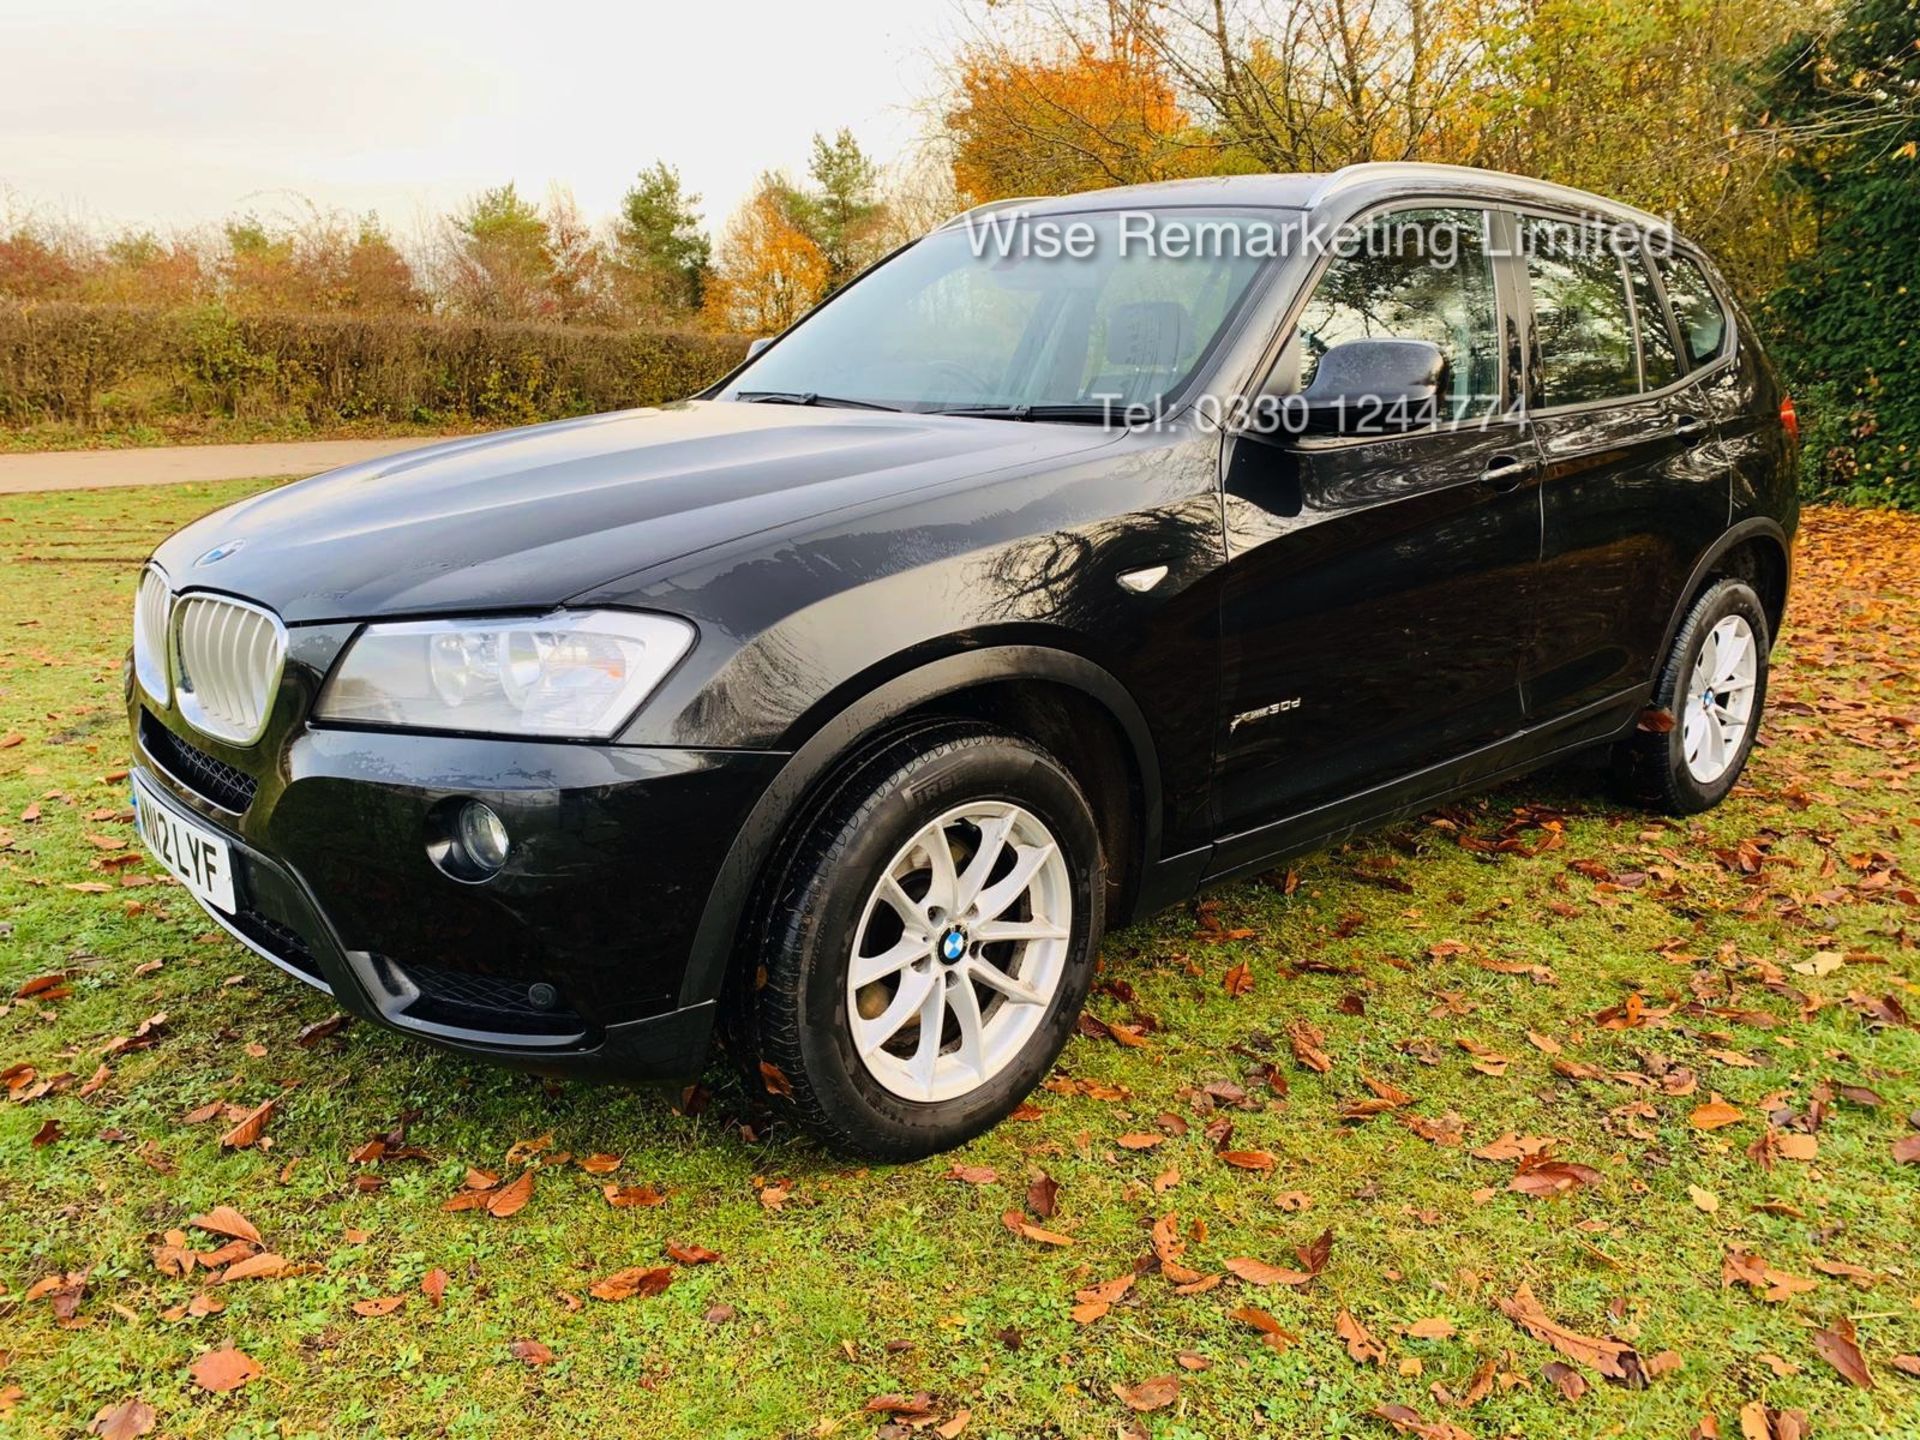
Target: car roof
<point>1310,191</point>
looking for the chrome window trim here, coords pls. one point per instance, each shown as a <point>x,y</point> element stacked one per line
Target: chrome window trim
<point>1688,376</point>
<point>187,702</point>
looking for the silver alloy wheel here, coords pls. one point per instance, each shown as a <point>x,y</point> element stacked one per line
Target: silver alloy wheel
<point>1719,700</point>
<point>959,951</point>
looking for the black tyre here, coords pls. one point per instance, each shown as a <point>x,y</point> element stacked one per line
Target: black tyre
<point>925,945</point>
<point>1714,688</point>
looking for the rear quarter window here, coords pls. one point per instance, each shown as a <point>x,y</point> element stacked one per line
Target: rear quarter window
<point>1696,309</point>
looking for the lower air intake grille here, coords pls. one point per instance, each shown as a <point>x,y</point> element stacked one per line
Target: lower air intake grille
<point>276,938</point>
<point>484,1002</point>
<point>214,780</point>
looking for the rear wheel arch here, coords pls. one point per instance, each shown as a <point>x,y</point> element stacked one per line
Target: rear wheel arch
<point>1037,692</point>
<point>1756,551</point>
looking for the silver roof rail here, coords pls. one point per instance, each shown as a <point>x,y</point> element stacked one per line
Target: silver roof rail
<point>990,207</point>
<point>1351,176</point>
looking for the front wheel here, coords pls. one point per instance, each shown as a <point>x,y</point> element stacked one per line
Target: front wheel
<point>1713,688</point>
<point>928,944</point>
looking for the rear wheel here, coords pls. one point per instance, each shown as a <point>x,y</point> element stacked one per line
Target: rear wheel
<point>928,944</point>
<point>1713,687</point>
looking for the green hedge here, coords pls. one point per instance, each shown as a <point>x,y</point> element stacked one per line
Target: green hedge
<point>103,367</point>
<point>1844,321</point>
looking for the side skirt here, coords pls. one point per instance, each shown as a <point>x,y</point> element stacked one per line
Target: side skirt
<point>1253,850</point>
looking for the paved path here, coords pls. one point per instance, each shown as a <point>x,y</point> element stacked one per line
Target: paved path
<point>172,464</point>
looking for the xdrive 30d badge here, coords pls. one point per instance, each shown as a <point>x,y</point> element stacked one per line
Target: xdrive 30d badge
<point>1083,553</point>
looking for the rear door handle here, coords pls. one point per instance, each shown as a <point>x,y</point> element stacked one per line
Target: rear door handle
<point>1689,429</point>
<point>1505,472</point>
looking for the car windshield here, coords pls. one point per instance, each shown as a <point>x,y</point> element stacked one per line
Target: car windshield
<point>1099,312</point>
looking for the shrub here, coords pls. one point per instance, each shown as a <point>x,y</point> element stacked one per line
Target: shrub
<point>1846,315</point>
<point>88,366</point>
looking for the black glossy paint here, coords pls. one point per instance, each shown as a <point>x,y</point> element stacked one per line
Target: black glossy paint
<point>1346,628</point>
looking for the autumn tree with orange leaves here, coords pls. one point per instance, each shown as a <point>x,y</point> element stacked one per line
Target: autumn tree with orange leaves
<point>768,270</point>
<point>1642,101</point>
<point>1085,114</point>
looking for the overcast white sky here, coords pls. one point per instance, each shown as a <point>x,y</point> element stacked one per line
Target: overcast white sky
<point>178,112</point>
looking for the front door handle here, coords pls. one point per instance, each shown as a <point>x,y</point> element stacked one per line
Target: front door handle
<point>1689,429</point>
<point>1505,472</point>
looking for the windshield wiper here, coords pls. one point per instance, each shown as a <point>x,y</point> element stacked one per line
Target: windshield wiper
<point>1072,414</point>
<point>807,397</point>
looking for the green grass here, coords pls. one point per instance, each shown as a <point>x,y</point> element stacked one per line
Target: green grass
<point>877,1280</point>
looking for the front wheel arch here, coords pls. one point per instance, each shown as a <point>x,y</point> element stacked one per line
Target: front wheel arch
<point>902,700</point>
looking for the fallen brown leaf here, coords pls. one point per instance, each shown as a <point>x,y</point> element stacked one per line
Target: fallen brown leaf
<point>251,1127</point>
<point>1608,1356</point>
<point>1154,1394</point>
<point>1249,1160</point>
<point>1361,1345</point>
<point>625,1197</point>
<point>1260,1320</point>
<point>1567,1380</point>
<point>224,1369</point>
<point>1715,1115</point>
<point>1408,1421</point>
<point>1757,1422</point>
<point>511,1198</point>
<point>635,1280</point>
<point>1553,1177</point>
<point>1307,1043</point>
<point>914,1407</point>
<point>128,1420</point>
<point>225,1220</point>
<point>1015,1222</point>
<point>1259,1272</point>
<point>1839,1347</point>
<point>255,1267</point>
<point>1043,1196</point>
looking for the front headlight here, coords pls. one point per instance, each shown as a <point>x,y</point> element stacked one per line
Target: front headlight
<point>572,674</point>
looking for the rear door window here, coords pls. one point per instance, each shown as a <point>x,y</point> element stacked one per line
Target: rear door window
<point>1697,310</point>
<point>1580,313</point>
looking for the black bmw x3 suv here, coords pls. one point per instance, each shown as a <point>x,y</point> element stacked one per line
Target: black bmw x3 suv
<point>1085,552</point>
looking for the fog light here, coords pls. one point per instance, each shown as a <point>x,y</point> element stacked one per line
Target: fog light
<point>483,836</point>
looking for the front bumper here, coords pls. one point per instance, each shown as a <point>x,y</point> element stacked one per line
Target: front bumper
<point>572,960</point>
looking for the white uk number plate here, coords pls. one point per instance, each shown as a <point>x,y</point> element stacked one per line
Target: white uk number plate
<point>198,858</point>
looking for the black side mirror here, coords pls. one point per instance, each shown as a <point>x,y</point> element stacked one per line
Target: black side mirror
<point>1374,387</point>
